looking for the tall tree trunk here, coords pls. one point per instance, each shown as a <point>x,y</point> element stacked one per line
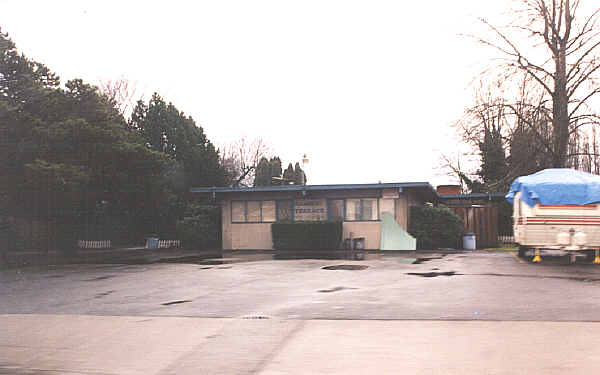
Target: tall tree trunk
<point>560,120</point>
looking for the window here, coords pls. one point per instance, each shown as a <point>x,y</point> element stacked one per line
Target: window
<point>252,211</point>
<point>362,209</point>
<point>268,211</point>
<point>369,209</point>
<point>365,209</point>
<point>238,212</point>
<point>335,209</point>
<point>284,210</point>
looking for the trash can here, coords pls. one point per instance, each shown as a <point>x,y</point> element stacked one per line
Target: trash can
<point>469,241</point>
<point>151,243</point>
<point>358,243</point>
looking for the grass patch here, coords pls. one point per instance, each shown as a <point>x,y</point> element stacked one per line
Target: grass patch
<point>504,248</point>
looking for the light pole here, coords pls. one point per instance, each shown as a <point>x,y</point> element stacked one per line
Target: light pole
<point>304,164</point>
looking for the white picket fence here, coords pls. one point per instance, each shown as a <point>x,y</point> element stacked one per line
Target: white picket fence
<point>84,244</point>
<point>167,244</point>
<point>506,239</point>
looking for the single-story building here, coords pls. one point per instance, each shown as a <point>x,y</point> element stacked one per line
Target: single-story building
<point>379,213</point>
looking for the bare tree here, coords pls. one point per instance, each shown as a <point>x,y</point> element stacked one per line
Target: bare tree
<point>557,49</point>
<point>122,92</point>
<point>240,159</point>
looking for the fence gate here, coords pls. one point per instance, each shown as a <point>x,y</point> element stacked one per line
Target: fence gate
<point>481,220</point>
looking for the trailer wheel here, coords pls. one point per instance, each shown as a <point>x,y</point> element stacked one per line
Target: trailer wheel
<point>523,251</point>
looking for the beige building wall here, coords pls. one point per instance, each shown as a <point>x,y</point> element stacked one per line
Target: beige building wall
<point>370,230</point>
<point>226,225</point>
<point>252,237</point>
<point>402,211</point>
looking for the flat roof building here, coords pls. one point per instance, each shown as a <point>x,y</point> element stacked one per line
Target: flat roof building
<point>379,213</point>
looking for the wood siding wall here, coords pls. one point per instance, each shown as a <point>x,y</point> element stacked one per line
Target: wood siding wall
<point>483,221</point>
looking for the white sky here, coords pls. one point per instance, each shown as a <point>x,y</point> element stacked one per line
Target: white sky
<point>367,88</point>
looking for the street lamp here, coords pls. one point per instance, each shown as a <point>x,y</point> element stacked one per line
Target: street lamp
<point>304,164</point>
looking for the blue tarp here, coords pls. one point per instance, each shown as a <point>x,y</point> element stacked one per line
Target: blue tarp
<point>557,186</point>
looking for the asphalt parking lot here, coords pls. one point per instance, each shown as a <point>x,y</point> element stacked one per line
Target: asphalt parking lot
<point>480,285</point>
<point>426,313</point>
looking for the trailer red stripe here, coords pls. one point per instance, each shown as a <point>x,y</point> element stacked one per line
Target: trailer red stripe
<point>569,206</point>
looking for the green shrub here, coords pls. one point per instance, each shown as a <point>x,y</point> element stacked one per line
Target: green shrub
<point>435,227</point>
<point>307,235</point>
<point>201,227</point>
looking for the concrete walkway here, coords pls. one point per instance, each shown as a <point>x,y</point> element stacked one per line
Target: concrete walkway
<point>83,344</point>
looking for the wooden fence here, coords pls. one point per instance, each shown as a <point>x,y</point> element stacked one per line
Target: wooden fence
<point>481,220</point>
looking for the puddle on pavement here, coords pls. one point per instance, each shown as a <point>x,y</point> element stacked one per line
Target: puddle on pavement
<point>423,260</point>
<point>335,289</point>
<point>433,274</point>
<point>175,302</point>
<point>195,260</point>
<point>100,295</point>
<point>403,260</point>
<point>346,267</point>
<point>216,268</point>
<point>100,278</point>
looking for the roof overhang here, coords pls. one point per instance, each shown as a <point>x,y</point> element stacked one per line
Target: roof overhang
<point>423,187</point>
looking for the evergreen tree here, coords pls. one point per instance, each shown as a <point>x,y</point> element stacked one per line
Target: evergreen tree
<point>288,174</point>
<point>263,173</point>
<point>493,160</point>
<point>276,170</point>
<point>65,151</point>
<point>299,175</point>
<point>165,129</point>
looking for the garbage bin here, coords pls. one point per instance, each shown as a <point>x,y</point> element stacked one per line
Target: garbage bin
<point>469,241</point>
<point>151,243</point>
<point>358,243</point>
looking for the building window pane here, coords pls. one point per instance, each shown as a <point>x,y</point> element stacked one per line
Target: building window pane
<point>238,211</point>
<point>362,209</point>
<point>353,209</point>
<point>253,211</point>
<point>336,209</point>
<point>284,210</point>
<point>268,211</point>
<point>369,209</point>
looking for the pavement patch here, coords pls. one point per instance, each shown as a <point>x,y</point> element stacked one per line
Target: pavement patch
<point>100,278</point>
<point>423,260</point>
<point>336,289</point>
<point>346,267</point>
<point>100,295</point>
<point>175,302</point>
<point>433,274</point>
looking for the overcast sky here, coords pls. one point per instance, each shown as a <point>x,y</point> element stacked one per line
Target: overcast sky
<point>367,89</point>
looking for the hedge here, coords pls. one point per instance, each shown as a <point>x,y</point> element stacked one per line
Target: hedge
<point>435,227</point>
<point>201,227</point>
<point>307,235</point>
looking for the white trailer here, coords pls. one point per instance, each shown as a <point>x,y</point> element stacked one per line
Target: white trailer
<point>557,209</point>
<point>573,228</point>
